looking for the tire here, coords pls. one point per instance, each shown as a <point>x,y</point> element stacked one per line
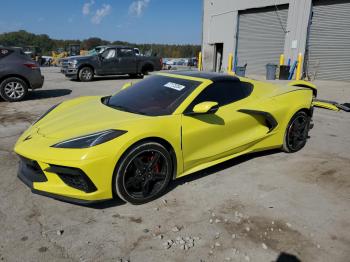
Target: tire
<point>134,76</point>
<point>297,132</point>
<point>146,69</point>
<point>13,89</point>
<point>143,173</point>
<point>86,74</point>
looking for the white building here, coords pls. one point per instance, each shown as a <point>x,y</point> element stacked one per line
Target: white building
<point>257,32</point>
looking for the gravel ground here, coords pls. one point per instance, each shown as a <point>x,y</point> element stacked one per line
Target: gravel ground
<point>254,208</point>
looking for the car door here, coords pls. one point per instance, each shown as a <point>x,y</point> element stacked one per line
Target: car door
<point>127,60</point>
<point>207,137</point>
<point>109,62</point>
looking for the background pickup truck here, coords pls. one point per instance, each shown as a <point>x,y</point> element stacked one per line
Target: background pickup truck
<point>115,60</point>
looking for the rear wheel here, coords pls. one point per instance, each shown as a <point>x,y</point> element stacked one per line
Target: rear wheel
<point>297,132</point>
<point>143,173</point>
<point>13,89</point>
<point>86,74</point>
<point>146,69</point>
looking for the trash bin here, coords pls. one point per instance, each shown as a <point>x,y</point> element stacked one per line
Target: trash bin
<point>271,71</point>
<point>284,72</point>
<point>240,70</point>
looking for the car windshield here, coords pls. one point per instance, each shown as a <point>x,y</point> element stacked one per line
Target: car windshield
<point>155,96</point>
<point>97,50</point>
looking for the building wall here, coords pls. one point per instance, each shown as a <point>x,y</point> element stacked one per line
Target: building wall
<point>220,26</point>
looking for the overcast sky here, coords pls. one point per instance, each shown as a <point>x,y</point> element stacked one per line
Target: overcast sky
<point>141,21</point>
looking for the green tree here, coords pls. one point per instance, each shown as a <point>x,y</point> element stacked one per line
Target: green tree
<point>47,45</point>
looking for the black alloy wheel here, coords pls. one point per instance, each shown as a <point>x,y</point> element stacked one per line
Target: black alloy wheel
<point>297,132</point>
<point>143,173</point>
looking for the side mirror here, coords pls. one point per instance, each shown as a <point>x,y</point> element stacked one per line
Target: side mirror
<point>125,86</point>
<point>206,108</point>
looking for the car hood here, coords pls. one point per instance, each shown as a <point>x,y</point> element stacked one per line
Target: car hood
<point>83,116</point>
<point>79,58</point>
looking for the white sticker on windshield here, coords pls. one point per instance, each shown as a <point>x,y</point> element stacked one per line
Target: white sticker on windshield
<point>174,86</point>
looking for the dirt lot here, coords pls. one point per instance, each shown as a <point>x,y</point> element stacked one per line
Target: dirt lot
<point>249,209</point>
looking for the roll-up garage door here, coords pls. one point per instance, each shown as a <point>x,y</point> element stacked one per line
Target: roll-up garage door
<point>261,37</point>
<point>329,40</point>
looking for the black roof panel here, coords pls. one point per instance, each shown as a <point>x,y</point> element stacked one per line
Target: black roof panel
<point>206,75</point>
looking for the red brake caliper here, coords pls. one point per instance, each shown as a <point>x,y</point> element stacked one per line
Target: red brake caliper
<point>156,166</point>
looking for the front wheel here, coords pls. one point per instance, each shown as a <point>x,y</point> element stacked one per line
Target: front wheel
<point>13,89</point>
<point>86,74</point>
<point>143,173</point>
<point>297,132</point>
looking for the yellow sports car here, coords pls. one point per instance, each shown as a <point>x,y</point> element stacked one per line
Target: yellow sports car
<point>131,144</point>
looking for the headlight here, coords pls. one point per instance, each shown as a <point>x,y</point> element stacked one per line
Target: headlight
<point>46,113</point>
<point>90,140</point>
<point>73,63</point>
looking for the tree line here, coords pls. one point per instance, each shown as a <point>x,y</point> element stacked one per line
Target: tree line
<point>23,38</point>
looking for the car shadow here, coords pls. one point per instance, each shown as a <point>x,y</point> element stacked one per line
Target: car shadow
<point>285,257</point>
<point>219,167</point>
<point>192,177</point>
<point>116,201</point>
<point>113,77</point>
<point>43,94</point>
<point>50,93</point>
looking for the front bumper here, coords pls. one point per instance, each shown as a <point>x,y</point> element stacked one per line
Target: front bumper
<point>29,172</point>
<point>37,82</point>
<point>74,175</point>
<point>70,72</point>
<point>67,179</point>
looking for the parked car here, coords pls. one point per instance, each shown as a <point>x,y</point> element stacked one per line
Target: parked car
<point>115,60</point>
<point>46,60</point>
<point>133,143</point>
<point>193,62</point>
<point>95,51</point>
<point>18,74</point>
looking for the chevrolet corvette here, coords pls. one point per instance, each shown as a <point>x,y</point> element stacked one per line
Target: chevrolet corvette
<point>133,143</point>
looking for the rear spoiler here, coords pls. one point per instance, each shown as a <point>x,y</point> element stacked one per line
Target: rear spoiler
<point>305,84</point>
<point>331,105</point>
<point>325,104</point>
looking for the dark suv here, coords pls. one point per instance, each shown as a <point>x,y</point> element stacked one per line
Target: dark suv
<point>18,74</point>
<point>114,60</point>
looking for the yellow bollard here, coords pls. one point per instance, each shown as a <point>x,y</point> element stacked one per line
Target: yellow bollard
<point>230,63</point>
<point>282,59</point>
<point>300,60</point>
<point>200,61</point>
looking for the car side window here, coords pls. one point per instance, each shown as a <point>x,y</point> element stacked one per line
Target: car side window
<point>125,52</point>
<point>109,54</point>
<point>223,92</point>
